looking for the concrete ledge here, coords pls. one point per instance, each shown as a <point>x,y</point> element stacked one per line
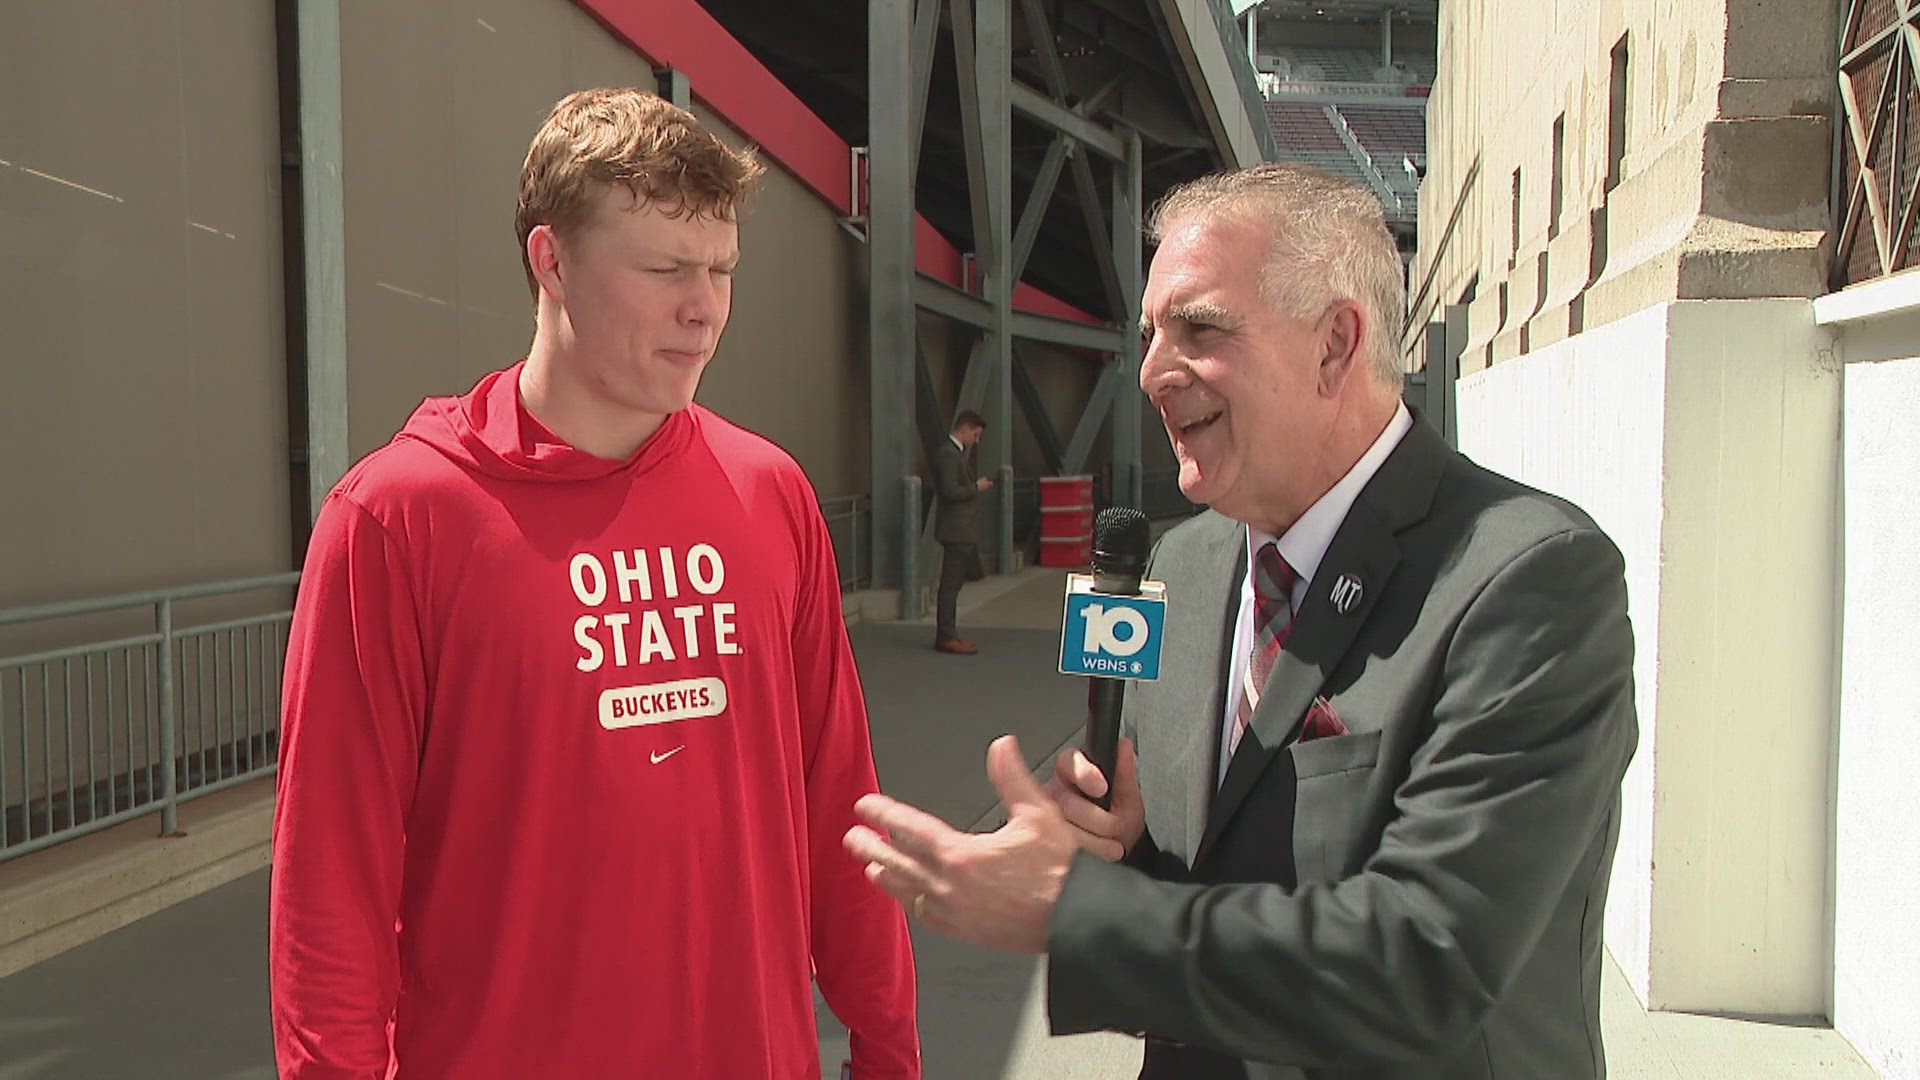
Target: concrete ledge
<point>67,895</point>
<point>870,605</point>
<point>1894,295</point>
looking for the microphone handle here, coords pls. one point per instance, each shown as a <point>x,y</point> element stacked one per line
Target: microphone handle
<point>1103,730</point>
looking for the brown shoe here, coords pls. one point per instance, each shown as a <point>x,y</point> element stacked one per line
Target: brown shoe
<point>957,646</point>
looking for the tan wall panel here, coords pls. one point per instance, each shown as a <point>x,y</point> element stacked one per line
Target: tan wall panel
<point>143,415</point>
<point>792,364</point>
<point>1721,98</point>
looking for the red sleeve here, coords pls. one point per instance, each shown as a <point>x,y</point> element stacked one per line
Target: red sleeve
<point>863,958</point>
<point>354,699</point>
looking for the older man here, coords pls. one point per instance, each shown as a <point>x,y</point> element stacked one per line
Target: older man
<point>1376,795</point>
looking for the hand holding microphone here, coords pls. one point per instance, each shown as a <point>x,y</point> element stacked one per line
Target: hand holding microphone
<point>1000,888</point>
<point>1111,634</point>
<point>1107,827</point>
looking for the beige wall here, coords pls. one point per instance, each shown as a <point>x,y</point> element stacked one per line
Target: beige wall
<point>1724,181</point>
<point>142,415</point>
<point>1876,985</point>
<point>142,322</point>
<point>1702,435</point>
<point>439,102</point>
<point>793,363</point>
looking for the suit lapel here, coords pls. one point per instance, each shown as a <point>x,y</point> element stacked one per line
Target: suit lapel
<point>1220,562</point>
<point>1364,550</point>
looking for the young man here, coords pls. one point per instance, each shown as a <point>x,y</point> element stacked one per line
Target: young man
<point>956,527</point>
<point>572,727</point>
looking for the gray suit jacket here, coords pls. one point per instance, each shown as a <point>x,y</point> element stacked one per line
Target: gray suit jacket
<point>1420,898</point>
<point>958,496</point>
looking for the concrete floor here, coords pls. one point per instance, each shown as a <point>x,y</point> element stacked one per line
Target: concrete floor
<point>181,995</point>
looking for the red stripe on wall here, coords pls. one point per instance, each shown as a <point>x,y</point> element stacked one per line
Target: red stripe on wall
<point>728,79</point>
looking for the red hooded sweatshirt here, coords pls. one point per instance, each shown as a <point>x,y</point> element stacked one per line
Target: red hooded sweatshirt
<point>568,750</point>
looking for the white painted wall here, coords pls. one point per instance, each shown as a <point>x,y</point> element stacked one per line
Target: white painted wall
<point>1742,810</point>
<point>1583,420</point>
<point>1877,828</point>
<point>1703,437</point>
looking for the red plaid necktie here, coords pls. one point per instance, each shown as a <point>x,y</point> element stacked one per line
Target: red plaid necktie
<point>1272,621</point>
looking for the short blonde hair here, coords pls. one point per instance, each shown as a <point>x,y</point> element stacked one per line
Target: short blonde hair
<point>1329,241</point>
<point>594,139</point>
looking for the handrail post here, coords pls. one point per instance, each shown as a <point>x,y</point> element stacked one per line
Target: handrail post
<point>857,526</point>
<point>169,795</point>
<point>910,605</point>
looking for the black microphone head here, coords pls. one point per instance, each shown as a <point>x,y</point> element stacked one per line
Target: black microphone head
<point>1121,540</point>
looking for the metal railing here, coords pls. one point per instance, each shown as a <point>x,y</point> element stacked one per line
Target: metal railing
<point>162,717</point>
<point>848,520</point>
<point>97,734</point>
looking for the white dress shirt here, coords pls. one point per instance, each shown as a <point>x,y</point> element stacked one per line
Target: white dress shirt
<point>1303,546</point>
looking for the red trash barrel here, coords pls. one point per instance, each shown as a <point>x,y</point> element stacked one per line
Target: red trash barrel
<point>1066,520</point>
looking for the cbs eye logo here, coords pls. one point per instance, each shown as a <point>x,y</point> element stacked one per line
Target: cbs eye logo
<point>1115,631</point>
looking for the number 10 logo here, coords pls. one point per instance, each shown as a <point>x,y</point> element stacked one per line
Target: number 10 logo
<point>1116,631</point>
<point>1109,635</point>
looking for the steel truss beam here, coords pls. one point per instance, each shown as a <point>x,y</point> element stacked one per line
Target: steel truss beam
<point>903,35</point>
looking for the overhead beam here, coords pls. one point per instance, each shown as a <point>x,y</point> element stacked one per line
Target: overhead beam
<point>1075,459</point>
<point>1040,36</point>
<point>970,131</point>
<point>1215,72</point>
<point>932,425</point>
<point>993,52</point>
<point>892,335</point>
<point>1039,107</point>
<point>943,299</point>
<point>1031,327</point>
<point>926,33</point>
<point>1038,199</point>
<point>1128,249</point>
<point>1097,100</point>
<point>322,335</point>
<point>1035,408</point>
<point>1091,210</point>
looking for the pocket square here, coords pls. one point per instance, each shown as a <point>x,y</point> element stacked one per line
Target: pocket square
<point>1321,722</point>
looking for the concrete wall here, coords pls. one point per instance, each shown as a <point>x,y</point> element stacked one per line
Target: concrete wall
<point>142,416</point>
<point>1876,880</point>
<point>1583,420</point>
<point>1703,439</point>
<point>1721,192</point>
<point>1876,932</point>
<point>435,294</point>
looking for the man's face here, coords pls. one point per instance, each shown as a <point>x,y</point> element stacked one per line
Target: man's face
<point>1236,383</point>
<point>647,295</point>
<point>968,436</point>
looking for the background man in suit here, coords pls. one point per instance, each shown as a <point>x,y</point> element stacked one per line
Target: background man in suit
<point>1376,797</point>
<point>956,527</point>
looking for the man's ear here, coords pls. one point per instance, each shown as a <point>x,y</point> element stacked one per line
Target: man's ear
<point>1347,335</point>
<point>543,255</point>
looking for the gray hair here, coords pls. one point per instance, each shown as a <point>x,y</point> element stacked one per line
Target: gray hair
<point>1330,241</point>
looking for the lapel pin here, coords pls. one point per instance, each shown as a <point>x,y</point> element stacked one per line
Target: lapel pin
<point>1347,592</point>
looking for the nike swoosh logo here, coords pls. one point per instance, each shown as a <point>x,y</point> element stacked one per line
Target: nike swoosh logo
<point>658,758</point>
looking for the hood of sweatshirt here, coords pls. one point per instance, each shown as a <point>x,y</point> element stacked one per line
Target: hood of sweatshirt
<point>489,429</point>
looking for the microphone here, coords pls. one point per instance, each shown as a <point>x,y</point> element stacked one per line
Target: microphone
<point>1121,541</point>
